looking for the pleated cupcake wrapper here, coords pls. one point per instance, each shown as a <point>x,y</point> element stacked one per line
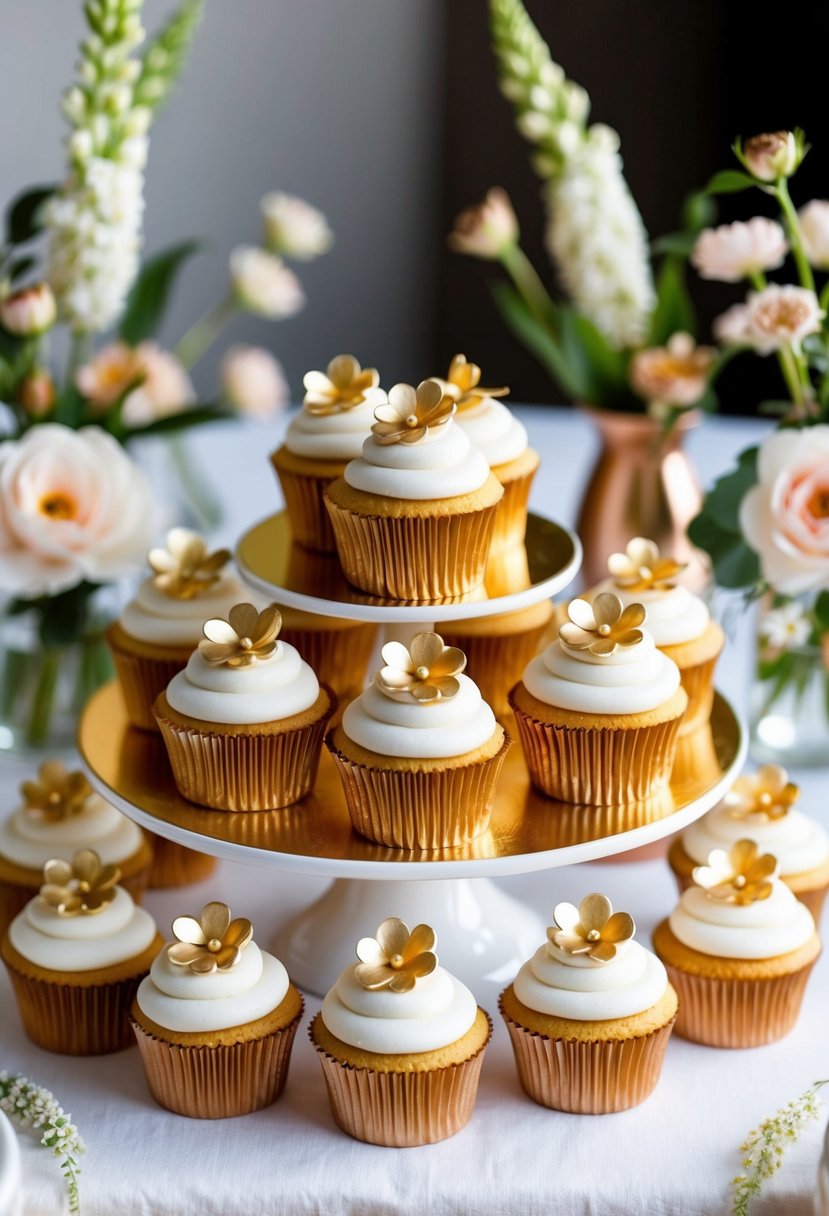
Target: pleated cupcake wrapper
<point>416,558</point>
<point>174,865</point>
<point>597,766</point>
<point>511,518</point>
<point>587,1078</point>
<point>217,1082</point>
<point>339,657</point>
<point>401,1109</point>
<point>244,772</point>
<point>142,679</point>
<point>419,810</point>
<point>75,1020</point>
<point>736,1012</point>
<point>497,663</point>
<point>698,682</point>
<point>305,504</point>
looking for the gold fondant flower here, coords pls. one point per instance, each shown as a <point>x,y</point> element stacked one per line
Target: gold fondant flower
<point>246,637</point>
<point>640,568</point>
<point>340,387</point>
<point>57,794</point>
<point>81,887</point>
<point>213,942</point>
<point>593,928</point>
<point>464,387</point>
<point>185,569</point>
<point>427,671</point>
<point>410,413</point>
<point>396,958</point>
<point>602,627</point>
<point>739,876</point>
<point>768,792</point>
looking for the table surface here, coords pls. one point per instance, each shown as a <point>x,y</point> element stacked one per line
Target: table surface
<point>673,1156</point>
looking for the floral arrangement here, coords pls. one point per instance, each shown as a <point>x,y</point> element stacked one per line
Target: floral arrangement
<point>32,1106</point>
<point>764,1147</point>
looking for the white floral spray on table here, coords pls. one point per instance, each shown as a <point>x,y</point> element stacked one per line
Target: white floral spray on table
<point>764,1147</point>
<point>31,1106</point>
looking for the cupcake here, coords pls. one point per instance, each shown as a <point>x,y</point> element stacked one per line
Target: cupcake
<point>158,630</point>
<point>502,439</point>
<point>598,712</point>
<point>336,416</point>
<point>419,752</point>
<point>739,949</point>
<point>678,621</point>
<point>401,1042</point>
<point>413,515</point>
<point>761,806</point>
<point>498,648</point>
<point>215,1019</point>
<point>59,814</point>
<point>338,651</point>
<point>243,724</point>
<point>75,956</point>
<point>590,1014</point>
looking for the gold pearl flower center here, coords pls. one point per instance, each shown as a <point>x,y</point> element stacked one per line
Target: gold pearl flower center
<point>422,672</point>
<point>604,630</point>
<point>593,935</point>
<point>245,643</point>
<point>412,421</point>
<point>214,945</point>
<point>740,881</point>
<point>396,961</point>
<point>765,799</point>
<point>54,798</point>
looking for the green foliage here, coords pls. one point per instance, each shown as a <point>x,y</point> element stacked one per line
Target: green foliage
<point>182,421</point>
<point>679,244</point>
<point>717,527</point>
<point>821,611</point>
<point>24,215</point>
<point>729,181</point>
<point>164,58</point>
<point>148,299</point>
<point>673,312</point>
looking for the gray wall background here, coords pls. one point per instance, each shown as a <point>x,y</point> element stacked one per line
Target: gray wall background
<point>335,100</point>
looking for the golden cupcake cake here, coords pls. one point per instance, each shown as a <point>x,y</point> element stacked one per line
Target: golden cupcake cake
<point>739,949</point>
<point>338,651</point>
<point>215,1019</point>
<point>419,752</point>
<point>59,813</point>
<point>761,806</point>
<point>400,1041</point>
<point>598,712</point>
<point>244,722</point>
<point>336,416</point>
<point>498,648</point>
<point>75,956</point>
<point>590,1014</point>
<point>413,515</point>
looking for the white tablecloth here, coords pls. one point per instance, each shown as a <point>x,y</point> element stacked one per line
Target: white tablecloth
<point>673,1156</point>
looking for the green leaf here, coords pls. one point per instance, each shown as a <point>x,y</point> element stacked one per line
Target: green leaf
<point>822,611</point>
<point>196,416</point>
<point>21,266</point>
<point>148,298</point>
<point>24,214</point>
<point>63,617</point>
<point>717,527</point>
<point>531,333</point>
<point>729,181</point>
<point>678,243</point>
<point>674,312</point>
<point>698,211</point>
<point>601,370</point>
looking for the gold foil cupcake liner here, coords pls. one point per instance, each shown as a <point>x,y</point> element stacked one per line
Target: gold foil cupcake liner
<point>814,900</point>
<point>401,1109</point>
<point>597,766</point>
<point>496,663</point>
<point>217,1082</point>
<point>698,682</point>
<point>417,557</point>
<point>305,505</point>
<point>420,810</point>
<point>511,519</point>
<point>174,865</point>
<point>587,1078</point>
<point>735,1012</point>
<point>142,678</point>
<point>338,657</point>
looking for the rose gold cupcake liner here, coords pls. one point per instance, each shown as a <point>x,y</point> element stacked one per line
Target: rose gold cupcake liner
<point>416,557</point>
<point>587,1078</point>
<point>142,679</point>
<point>698,682</point>
<point>419,810</point>
<point>511,519</point>
<point>401,1109</point>
<point>174,865</point>
<point>217,1082</point>
<point>305,505</point>
<point>735,1012</point>
<point>496,663</point>
<point>338,657</point>
<point>596,766</point>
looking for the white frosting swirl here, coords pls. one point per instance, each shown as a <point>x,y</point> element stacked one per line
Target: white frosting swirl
<point>764,929</point>
<point>332,436</point>
<point>674,616</point>
<point>166,621</point>
<point>798,842</point>
<point>576,987</point>
<point>494,430</point>
<point>82,943</point>
<point>437,1011</point>
<point>182,1000</point>
<point>631,681</point>
<point>443,464</point>
<point>30,841</point>
<point>420,730</point>
<point>268,691</point>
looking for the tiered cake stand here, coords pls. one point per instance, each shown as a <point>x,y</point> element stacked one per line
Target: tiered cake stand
<point>483,933</point>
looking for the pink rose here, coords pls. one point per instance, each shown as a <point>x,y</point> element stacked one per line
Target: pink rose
<point>253,381</point>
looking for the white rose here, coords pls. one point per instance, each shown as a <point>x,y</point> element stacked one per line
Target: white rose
<point>781,315</point>
<point>73,506</point>
<point>731,327</point>
<point>814,229</point>
<point>785,517</point>
<point>264,284</point>
<point>293,227</point>
<point>735,251</point>
<point>253,381</point>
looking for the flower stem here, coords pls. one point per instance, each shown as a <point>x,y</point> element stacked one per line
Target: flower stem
<point>526,279</point>
<point>204,333</point>
<point>795,237</point>
<point>196,488</point>
<point>44,699</point>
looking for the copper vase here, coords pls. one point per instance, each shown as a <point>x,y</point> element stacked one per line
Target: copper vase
<point>642,484</point>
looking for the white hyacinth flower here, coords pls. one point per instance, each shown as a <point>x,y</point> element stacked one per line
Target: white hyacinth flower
<point>786,627</point>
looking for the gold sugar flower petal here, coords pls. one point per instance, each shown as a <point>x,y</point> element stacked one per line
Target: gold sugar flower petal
<point>640,567</point>
<point>604,626</point>
<point>81,887</point>
<point>342,386</point>
<point>185,569</point>
<point>210,942</point>
<point>395,958</point>
<point>425,672</point>
<point>246,637</point>
<point>740,876</point>
<point>592,929</point>
<point>463,384</point>
<point>410,413</point>
<point>56,794</point>
<point>768,793</point>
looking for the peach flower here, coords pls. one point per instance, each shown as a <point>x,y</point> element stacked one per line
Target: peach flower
<point>487,229</point>
<point>263,284</point>
<point>164,388</point>
<point>293,228</point>
<point>675,374</point>
<point>782,315</point>
<point>771,155</point>
<point>735,251</point>
<point>28,312</point>
<point>731,327</point>
<point>814,229</point>
<point>253,381</point>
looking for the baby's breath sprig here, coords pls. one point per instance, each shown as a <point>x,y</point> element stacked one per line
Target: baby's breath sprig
<point>34,1107</point>
<point>764,1147</point>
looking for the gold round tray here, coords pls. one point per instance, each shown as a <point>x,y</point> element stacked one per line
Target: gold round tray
<point>528,831</point>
